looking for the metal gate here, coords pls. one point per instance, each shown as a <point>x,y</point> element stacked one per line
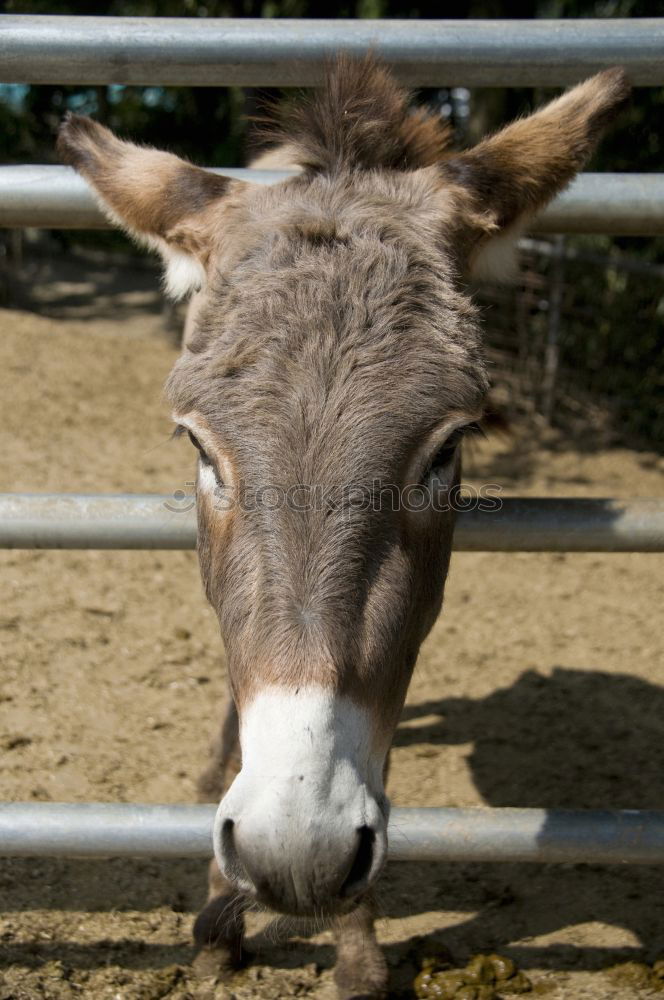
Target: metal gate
<point>270,52</point>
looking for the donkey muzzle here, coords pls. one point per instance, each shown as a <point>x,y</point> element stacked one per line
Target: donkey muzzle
<point>303,828</point>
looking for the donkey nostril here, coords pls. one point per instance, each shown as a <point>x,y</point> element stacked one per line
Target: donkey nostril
<point>227,833</point>
<point>234,868</point>
<point>362,862</point>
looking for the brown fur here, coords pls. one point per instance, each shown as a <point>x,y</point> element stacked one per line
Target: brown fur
<point>517,171</point>
<point>332,345</point>
<point>361,120</point>
<point>149,192</point>
<point>374,288</point>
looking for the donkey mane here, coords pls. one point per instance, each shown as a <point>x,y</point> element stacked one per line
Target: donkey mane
<point>360,119</point>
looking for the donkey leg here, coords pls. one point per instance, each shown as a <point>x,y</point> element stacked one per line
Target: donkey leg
<point>361,970</point>
<point>219,927</point>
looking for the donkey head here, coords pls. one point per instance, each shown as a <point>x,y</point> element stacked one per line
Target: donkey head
<point>330,373</point>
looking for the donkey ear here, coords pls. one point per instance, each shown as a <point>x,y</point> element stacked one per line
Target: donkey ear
<point>511,175</point>
<point>158,198</point>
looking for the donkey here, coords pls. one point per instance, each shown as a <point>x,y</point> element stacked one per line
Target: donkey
<point>333,349</point>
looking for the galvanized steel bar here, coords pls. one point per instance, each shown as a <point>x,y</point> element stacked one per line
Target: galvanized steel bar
<point>54,197</point>
<point>516,835</point>
<point>616,204</point>
<point>519,835</point>
<point>73,521</point>
<point>114,521</point>
<point>563,525</point>
<point>273,52</point>
<point>31,829</point>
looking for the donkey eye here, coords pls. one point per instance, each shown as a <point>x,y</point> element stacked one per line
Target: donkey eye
<point>199,448</point>
<point>442,461</point>
<point>439,465</point>
<point>445,455</point>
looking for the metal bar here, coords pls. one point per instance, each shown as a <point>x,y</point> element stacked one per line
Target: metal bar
<point>151,521</point>
<point>618,204</point>
<point>518,835</point>
<point>114,521</point>
<point>563,525</point>
<point>622,204</point>
<point>292,52</point>
<point>30,829</point>
<point>54,197</point>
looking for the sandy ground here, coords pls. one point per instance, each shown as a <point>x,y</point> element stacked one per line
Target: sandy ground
<point>541,685</point>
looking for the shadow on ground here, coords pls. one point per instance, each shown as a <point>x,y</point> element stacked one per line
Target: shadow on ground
<point>575,739</point>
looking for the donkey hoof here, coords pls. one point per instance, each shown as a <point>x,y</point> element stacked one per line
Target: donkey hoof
<point>343,994</point>
<point>368,983</point>
<point>218,934</point>
<point>215,964</point>
<point>362,995</point>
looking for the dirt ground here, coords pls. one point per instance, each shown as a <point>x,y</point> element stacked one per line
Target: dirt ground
<point>541,685</point>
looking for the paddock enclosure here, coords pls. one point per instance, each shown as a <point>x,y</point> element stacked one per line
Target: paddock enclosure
<point>113,673</point>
